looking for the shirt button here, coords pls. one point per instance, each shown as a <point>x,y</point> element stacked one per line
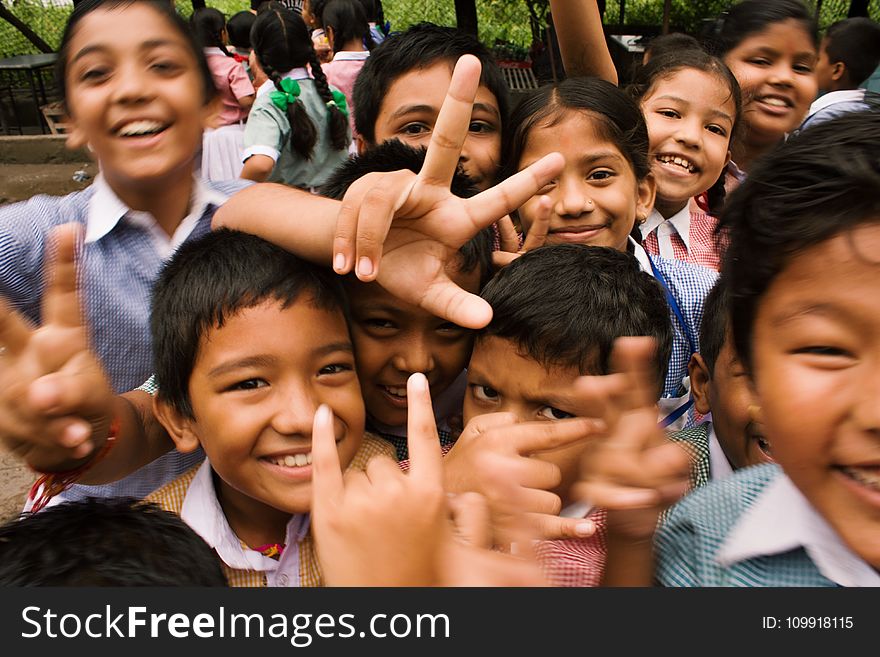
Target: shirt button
<point>284,580</point>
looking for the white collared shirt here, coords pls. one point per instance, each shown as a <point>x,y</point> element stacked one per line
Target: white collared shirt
<point>780,520</point>
<point>202,512</point>
<point>292,74</point>
<point>351,55</point>
<point>679,223</point>
<point>106,210</point>
<point>833,97</point>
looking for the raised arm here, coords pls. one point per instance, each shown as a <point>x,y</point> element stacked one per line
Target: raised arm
<point>582,39</point>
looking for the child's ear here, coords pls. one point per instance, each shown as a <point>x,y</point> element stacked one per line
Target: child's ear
<point>838,70</point>
<point>76,138</point>
<point>331,35</point>
<point>646,190</point>
<point>700,382</point>
<point>362,145</point>
<point>726,162</point>
<point>178,427</point>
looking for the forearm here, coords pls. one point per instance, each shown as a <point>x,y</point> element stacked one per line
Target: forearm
<point>582,40</point>
<point>629,562</point>
<point>294,219</point>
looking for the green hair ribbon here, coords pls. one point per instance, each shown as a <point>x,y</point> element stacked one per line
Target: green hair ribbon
<point>338,101</point>
<point>288,94</point>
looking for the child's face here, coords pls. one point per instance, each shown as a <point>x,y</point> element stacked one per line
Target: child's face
<point>394,339</point>
<point>726,394</point>
<point>502,380</point>
<point>255,386</point>
<point>690,116</point>
<point>775,71</point>
<point>409,111</point>
<point>135,96</point>
<point>816,372</point>
<point>596,199</point>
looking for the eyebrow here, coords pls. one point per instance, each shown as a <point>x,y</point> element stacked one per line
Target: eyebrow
<point>430,109</point>
<point>264,360</point>
<point>146,45</point>
<point>590,158</point>
<point>816,309</point>
<point>714,112</point>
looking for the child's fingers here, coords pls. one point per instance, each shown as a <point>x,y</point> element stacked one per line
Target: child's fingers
<point>500,259</point>
<point>60,300</point>
<point>451,127</point>
<point>15,333</point>
<point>471,519</point>
<point>534,437</point>
<point>614,496</point>
<point>487,207</point>
<point>537,235</point>
<point>327,484</point>
<point>375,214</point>
<point>508,234</point>
<point>633,357</point>
<point>426,461</point>
<point>553,527</point>
<point>446,299</point>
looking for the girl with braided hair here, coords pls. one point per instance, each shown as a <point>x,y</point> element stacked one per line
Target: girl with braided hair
<point>298,130</point>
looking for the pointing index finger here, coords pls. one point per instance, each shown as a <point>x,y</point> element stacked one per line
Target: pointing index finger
<point>327,484</point>
<point>426,462</point>
<point>60,300</point>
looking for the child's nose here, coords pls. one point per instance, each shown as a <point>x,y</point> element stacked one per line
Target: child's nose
<point>689,132</point>
<point>572,201</point>
<point>866,410</point>
<point>294,411</point>
<point>415,355</point>
<point>130,85</point>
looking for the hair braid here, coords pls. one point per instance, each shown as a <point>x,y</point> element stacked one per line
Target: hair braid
<point>337,121</point>
<point>218,39</point>
<point>716,194</point>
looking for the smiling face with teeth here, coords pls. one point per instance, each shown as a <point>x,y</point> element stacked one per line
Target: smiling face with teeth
<point>816,372</point>
<point>690,116</point>
<point>255,386</point>
<point>134,92</point>
<point>775,69</point>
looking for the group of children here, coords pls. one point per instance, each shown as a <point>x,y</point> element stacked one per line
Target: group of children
<point>490,411</point>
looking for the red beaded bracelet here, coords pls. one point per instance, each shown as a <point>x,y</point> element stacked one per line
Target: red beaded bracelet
<point>51,484</point>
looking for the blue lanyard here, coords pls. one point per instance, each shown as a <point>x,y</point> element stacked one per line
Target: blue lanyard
<point>692,344</point>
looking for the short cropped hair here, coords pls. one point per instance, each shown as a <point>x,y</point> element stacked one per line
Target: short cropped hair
<point>419,47</point>
<point>394,155</point>
<point>716,322</point>
<point>565,305</point>
<point>238,27</point>
<point>105,542</point>
<point>856,43</point>
<point>674,42</point>
<point>211,279</point>
<point>818,184</point>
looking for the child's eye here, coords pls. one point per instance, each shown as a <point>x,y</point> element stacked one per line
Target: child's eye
<point>484,393</point>
<point>249,384</point>
<point>165,66</point>
<point>668,113</point>
<point>803,68</point>
<point>759,61</point>
<point>335,368</point>
<point>450,328</point>
<point>551,413</point>
<point>379,324</point>
<point>822,350</point>
<point>480,126</point>
<point>94,75</point>
<point>601,174</point>
<point>717,129</point>
<point>415,129</point>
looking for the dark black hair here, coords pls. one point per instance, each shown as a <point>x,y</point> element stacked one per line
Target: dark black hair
<point>394,155</point>
<point>281,42</point>
<point>751,17</point>
<point>856,43</point>
<point>238,27</point>
<point>673,42</point>
<point>316,9</point>
<point>665,65</point>
<point>208,25</point>
<point>565,305</point>
<point>420,47</point>
<point>166,9</point>
<point>820,183</point>
<point>716,324</point>
<point>348,21</point>
<point>212,278</point>
<point>375,13</point>
<point>105,542</point>
<point>618,119</point>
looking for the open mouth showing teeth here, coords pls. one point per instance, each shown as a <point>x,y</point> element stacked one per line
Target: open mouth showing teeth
<point>395,392</point>
<point>291,460</point>
<point>775,102</point>
<point>687,165</point>
<point>141,129</point>
<point>869,477</point>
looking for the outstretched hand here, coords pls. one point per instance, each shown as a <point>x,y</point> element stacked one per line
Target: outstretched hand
<point>55,400</point>
<point>407,256</point>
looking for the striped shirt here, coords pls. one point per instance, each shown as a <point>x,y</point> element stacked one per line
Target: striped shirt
<point>192,496</point>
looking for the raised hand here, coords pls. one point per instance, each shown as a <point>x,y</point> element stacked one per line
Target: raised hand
<point>493,457</point>
<point>408,256</point>
<point>510,247</point>
<point>56,403</point>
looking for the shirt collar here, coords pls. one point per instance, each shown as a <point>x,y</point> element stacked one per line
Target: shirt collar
<point>351,55</point>
<point>641,255</point>
<point>213,50</point>
<point>106,209</point>
<point>781,520</point>
<point>719,466</point>
<point>832,97</point>
<point>293,74</point>
<point>680,221</point>
<point>202,512</point>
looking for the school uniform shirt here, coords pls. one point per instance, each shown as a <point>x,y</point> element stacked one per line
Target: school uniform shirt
<point>193,497</point>
<point>268,133</point>
<point>688,235</point>
<point>834,104</point>
<point>232,82</point>
<point>754,528</point>
<point>121,256</point>
<point>341,72</point>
